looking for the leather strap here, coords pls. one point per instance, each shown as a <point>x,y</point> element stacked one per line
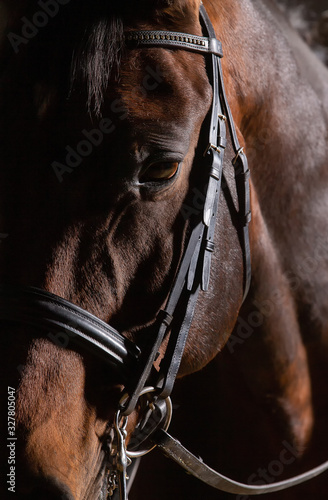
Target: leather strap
<point>165,318</point>
<point>200,264</point>
<point>196,467</point>
<point>194,271</point>
<point>242,176</point>
<point>240,164</point>
<point>40,309</point>
<point>172,39</point>
<point>215,154</point>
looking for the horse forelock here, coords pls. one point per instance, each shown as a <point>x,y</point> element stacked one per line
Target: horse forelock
<point>96,59</point>
<point>81,47</point>
<point>97,56</point>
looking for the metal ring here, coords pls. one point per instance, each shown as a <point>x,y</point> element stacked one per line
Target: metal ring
<point>144,391</point>
<point>168,402</point>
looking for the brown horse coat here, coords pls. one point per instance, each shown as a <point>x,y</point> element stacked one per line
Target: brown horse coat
<point>84,126</point>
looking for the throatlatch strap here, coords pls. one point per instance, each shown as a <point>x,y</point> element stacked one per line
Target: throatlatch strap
<point>242,176</point>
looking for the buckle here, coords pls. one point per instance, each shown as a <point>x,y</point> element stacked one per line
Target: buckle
<point>212,146</point>
<point>247,218</point>
<point>164,317</point>
<point>238,154</point>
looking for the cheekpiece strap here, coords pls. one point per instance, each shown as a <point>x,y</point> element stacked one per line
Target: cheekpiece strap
<point>194,271</point>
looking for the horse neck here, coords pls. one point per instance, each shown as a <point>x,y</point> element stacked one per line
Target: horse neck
<point>273,107</point>
<point>266,85</point>
<point>261,49</point>
<point>279,113</point>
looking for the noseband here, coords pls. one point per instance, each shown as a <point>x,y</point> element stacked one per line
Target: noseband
<point>43,310</point>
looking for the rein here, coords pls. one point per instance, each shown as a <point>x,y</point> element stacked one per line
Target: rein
<point>43,310</point>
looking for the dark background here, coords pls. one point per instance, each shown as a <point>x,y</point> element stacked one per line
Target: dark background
<point>310,18</point>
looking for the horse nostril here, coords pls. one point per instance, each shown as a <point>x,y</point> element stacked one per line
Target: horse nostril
<point>45,494</point>
<point>42,494</point>
<point>49,489</point>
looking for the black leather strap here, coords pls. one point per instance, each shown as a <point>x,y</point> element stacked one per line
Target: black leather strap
<point>194,271</point>
<point>215,156</point>
<point>170,39</point>
<point>165,318</point>
<point>171,363</point>
<point>242,176</point>
<point>46,311</point>
<point>195,466</point>
<point>198,254</point>
<point>200,263</point>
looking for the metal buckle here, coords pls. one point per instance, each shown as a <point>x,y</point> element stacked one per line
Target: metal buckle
<point>239,152</point>
<point>212,146</point>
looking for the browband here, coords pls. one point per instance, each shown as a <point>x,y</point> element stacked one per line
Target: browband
<point>172,39</point>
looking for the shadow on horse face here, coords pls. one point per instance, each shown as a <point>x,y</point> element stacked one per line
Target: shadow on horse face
<point>96,205</point>
<point>63,407</point>
<point>50,488</point>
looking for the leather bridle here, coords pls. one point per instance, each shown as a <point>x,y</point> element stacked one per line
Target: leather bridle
<point>134,366</point>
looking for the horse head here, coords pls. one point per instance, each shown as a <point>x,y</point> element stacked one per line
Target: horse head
<point>102,180</point>
<point>99,179</point>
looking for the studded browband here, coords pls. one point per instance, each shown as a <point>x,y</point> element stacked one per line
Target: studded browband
<point>175,40</point>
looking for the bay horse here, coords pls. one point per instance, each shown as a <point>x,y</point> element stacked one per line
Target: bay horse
<point>102,168</point>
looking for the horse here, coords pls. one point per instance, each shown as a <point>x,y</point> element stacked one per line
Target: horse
<point>102,177</point>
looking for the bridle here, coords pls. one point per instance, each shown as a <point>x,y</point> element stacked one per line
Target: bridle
<point>134,366</point>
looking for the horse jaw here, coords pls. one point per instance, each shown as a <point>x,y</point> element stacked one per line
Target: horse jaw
<point>274,360</point>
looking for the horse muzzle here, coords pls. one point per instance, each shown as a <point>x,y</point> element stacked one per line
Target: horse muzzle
<point>47,488</point>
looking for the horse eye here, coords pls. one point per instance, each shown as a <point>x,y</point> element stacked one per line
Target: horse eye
<point>161,171</point>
